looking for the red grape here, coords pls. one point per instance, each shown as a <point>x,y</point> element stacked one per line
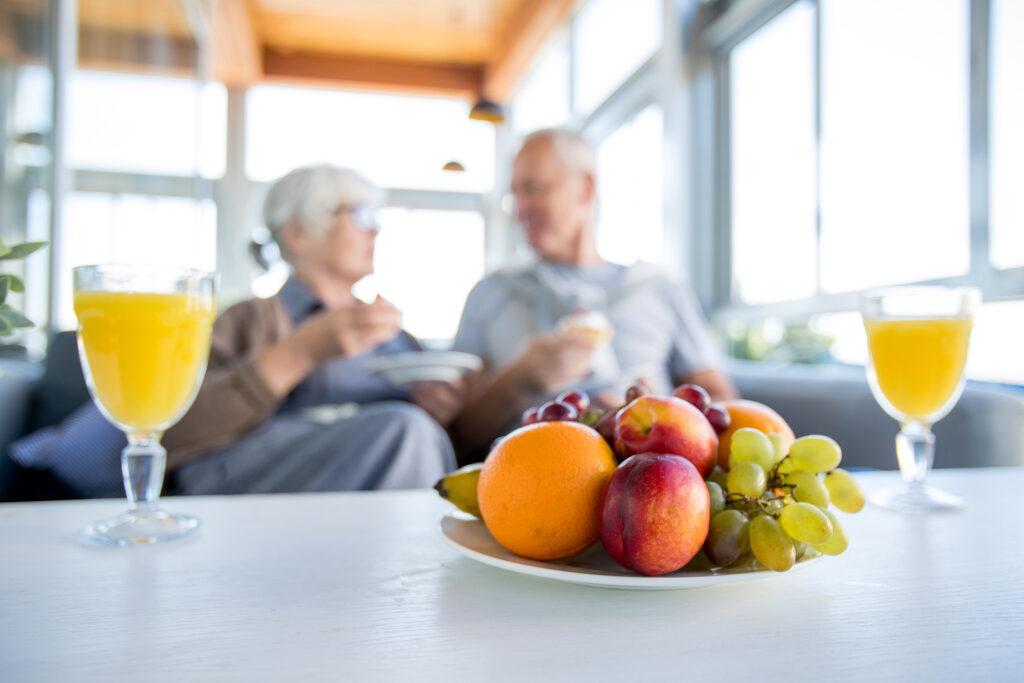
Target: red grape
<point>694,395</point>
<point>719,417</point>
<point>605,426</point>
<point>529,416</point>
<point>577,399</point>
<point>637,389</point>
<point>556,411</point>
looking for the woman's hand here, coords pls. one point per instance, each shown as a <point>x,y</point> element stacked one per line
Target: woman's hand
<point>340,332</point>
<point>348,331</point>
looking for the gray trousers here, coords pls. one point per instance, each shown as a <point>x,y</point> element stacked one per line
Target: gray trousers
<point>386,445</point>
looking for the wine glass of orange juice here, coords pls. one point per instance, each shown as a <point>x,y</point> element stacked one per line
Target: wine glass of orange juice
<point>144,339</point>
<point>917,343</point>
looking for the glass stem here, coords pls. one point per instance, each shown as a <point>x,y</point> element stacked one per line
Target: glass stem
<point>142,464</point>
<point>915,448</point>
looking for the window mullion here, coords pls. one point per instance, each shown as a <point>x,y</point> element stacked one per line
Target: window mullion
<point>979,140</point>
<point>817,148</point>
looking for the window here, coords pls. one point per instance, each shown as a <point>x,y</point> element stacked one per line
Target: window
<point>851,159</point>
<point>126,228</point>
<point>33,99</point>
<point>1006,216</point>
<point>396,141</point>
<point>543,100</point>
<point>146,124</point>
<point>425,263</point>
<point>774,250</point>
<point>630,177</point>
<point>894,175</point>
<point>612,39</point>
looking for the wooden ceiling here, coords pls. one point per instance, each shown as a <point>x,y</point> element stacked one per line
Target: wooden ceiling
<point>454,47</point>
<point>462,47</point>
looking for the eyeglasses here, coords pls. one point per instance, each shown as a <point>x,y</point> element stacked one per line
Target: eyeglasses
<point>364,216</point>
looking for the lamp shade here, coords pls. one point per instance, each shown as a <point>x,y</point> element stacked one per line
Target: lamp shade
<point>485,110</point>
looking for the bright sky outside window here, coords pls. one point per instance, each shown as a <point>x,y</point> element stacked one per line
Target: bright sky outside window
<point>425,262</point>
<point>1006,239</point>
<point>395,140</point>
<point>612,39</point>
<point>630,186</point>
<point>772,164</point>
<point>894,176</point>
<point>33,100</point>
<point>146,124</point>
<point>543,101</point>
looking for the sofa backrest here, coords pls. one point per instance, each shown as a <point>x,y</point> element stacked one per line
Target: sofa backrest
<point>986,428</point>
<point>61,389</point>
<point>18,381</point>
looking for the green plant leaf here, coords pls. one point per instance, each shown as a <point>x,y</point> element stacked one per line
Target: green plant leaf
<point>21,250</point>
<point>14,318</point>
<point>5,327</point>
<point>4,282</point>
<point>14,283</point>
<point>4,250</point>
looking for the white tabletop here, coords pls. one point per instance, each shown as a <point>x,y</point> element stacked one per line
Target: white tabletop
<point>359,586</point>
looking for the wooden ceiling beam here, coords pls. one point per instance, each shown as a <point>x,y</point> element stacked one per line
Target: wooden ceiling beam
<point>520,40</point>
<point>237,59</point>
<point>456,80</point>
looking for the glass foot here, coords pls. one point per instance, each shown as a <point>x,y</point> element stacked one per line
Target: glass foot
<point>917,498</point>
<point>136,528</point>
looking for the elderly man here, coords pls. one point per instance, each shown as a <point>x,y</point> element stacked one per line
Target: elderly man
<point>514,318</point>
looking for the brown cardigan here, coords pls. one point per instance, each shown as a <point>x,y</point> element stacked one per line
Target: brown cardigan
<point>233,399</point>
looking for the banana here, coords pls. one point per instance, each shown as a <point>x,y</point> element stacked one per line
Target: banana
<point>459,488</point>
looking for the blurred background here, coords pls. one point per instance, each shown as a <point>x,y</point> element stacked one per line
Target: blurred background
<point>780,155</point>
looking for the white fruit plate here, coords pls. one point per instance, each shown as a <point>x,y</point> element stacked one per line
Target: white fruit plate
<point>592,567</point>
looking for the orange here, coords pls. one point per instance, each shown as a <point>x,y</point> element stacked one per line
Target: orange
<point>745,413</point>
<point>540,489</point>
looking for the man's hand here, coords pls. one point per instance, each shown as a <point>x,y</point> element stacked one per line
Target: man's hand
<point>442,400</point>
<point>555,359</point>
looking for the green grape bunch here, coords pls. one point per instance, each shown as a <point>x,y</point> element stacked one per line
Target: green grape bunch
<point>772,506</point>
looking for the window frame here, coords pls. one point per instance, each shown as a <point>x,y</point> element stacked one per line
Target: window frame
<point>724,29</point>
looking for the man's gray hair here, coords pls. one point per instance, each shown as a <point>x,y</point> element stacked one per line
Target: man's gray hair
<point>311,195</point>
<point>571,148</point>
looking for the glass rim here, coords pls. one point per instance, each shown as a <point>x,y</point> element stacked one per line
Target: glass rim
<point>139,267</point>
<point>919,290</point>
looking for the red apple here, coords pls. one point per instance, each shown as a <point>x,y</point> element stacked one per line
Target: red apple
<point>655,512</point>
<point>666,424</point>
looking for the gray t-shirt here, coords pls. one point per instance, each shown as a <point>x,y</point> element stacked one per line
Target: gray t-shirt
<point>659,331</point>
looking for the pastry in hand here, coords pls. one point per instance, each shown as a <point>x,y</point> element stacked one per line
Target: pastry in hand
<point>593,325</point>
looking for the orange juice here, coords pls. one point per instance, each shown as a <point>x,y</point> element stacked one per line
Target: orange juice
<point>145,353</point>
<point>918,362</point>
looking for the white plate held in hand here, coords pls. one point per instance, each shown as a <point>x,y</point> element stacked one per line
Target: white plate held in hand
<point>424,366</point>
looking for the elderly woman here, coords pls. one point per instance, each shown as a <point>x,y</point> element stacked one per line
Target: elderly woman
<point>252,427</point>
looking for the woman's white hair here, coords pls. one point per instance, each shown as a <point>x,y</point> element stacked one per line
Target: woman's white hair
<point>575,153</point>
<point>311,195</point>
